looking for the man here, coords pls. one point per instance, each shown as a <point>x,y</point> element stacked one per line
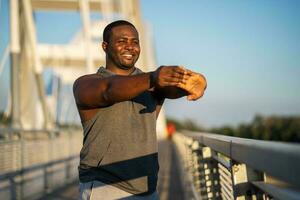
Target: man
<point>118,107</point>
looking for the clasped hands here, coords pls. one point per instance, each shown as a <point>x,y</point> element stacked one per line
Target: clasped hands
<point>193,83</point>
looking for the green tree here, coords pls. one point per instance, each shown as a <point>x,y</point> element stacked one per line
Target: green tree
<point>4,119</point>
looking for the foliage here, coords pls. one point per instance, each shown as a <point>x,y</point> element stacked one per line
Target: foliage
<point>4,119</point>
<point>276,128</point>
<point>187,124</point>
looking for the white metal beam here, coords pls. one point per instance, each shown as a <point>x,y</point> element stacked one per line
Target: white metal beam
<point>85,16</point>
<point>95,5</point>
<point>14,26</point>
<point>15,62</point>
<point>72,55</point>
<point>31,36</point>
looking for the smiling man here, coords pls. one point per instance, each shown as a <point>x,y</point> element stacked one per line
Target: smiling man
<point>118,107</point>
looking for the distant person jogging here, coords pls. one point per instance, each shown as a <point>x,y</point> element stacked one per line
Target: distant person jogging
<point>118,106</point>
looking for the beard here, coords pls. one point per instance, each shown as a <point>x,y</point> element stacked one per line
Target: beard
<point>123,62</point>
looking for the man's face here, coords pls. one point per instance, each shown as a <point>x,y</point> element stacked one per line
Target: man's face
<point>123,48</point>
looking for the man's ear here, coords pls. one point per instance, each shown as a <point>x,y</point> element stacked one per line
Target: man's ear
<point>104,46</point>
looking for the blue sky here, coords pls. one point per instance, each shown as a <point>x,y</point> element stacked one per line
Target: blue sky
<point>249,52</point>
<point>4,71</point>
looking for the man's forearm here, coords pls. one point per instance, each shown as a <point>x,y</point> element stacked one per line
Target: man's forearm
<point>170,92</point>
<point>122,88</point>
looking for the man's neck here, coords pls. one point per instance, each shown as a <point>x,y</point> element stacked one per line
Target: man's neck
<point>120,71</point>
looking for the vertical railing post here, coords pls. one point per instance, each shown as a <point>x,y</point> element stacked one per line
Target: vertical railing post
<point>197,167</point>
<point>49,169</point>
<point>23,153</point>
<point>242,176</point>
<point>206,172</point>
<point>69,162</point>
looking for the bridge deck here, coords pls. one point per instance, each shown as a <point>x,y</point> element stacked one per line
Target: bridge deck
<point>169,183</point>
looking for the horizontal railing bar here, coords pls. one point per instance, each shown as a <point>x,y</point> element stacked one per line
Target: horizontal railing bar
<point>278,159</point>
<point>37,167</point>
<point>276,191</point>
<point>55,130</point>
<point>220,144</point>
<point>14,130</point>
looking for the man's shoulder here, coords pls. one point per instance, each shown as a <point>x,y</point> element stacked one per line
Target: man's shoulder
<point>85,78</point>
<point>138,71</point>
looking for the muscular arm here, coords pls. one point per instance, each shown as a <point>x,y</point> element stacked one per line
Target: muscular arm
<point>92,91</point>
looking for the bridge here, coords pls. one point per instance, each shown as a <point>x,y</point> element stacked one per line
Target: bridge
<point>40,143</point>
<point>39,164</point>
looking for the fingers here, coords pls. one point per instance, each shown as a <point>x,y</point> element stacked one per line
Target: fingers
<point>195,90</point>
<point>179,69</point>
<point>184,86</point>
<point>178,76</point>
<point>172,75</point>
<point>194,97</point>
<point>174,82</point>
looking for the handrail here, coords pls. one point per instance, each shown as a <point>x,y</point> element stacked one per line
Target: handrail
<point>283,158</point>
<point>11,134</point>
<point>260,164</point>
<point>37,162</point>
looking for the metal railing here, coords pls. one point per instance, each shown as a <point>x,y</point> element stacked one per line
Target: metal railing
<point>36,162</point>
<point>223,167</point>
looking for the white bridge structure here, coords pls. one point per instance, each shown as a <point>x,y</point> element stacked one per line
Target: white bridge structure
<point>68,61</point>
<point>37,155</point>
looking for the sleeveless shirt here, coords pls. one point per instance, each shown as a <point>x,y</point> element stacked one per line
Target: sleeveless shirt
<point>119,145</point>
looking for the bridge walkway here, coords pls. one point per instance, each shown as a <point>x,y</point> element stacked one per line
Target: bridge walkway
<point>169,183</point>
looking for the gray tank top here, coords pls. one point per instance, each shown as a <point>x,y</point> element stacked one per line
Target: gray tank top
<point>119,145</point>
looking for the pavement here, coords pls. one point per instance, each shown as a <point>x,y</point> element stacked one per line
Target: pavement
<point>169,184</point>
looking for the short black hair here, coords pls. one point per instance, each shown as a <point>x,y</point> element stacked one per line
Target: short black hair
<point>109,27</point>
